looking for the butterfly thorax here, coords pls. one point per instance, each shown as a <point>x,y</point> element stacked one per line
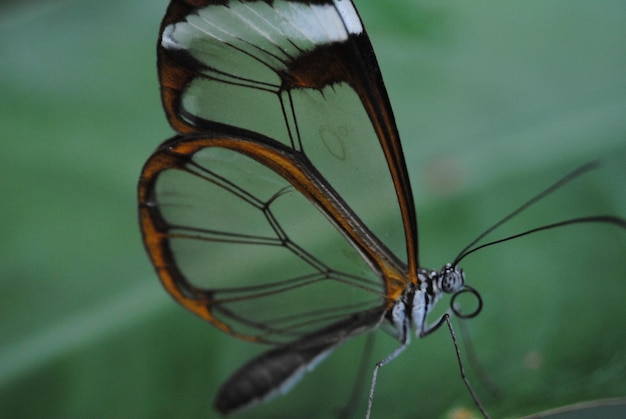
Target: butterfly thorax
<point>411,310</point>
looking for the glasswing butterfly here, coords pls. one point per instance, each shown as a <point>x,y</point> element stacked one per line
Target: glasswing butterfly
<point>255,215</point>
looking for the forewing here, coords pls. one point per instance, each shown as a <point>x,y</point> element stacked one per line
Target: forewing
<point>304,74</point>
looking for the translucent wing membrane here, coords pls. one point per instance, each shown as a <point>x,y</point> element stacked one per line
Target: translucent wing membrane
<point>242,247</point>
<point>283,117</point>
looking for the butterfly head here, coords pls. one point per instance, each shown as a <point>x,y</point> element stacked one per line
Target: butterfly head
<point>451,279</point>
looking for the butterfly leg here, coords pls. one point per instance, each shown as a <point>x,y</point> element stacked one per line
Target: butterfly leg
<point>446,318</point>
<point>346,411</point>
<point>404,342</point>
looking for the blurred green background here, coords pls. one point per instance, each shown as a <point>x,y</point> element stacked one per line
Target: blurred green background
<point>494,100</point>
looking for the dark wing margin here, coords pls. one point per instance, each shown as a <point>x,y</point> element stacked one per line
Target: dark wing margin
<point>307,290</point>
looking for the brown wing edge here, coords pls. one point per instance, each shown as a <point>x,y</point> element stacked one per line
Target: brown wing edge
<point>177,152</point>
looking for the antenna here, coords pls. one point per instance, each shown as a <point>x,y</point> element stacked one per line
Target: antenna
<point>607,219</point>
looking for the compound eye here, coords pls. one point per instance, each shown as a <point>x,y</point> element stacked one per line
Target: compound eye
<point>451,279</point>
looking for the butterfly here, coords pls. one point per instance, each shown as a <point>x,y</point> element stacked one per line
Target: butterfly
<point>281,212</point>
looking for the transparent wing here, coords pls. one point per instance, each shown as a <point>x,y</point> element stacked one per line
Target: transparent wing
<point>248,248</point>
<point>256,216</point>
